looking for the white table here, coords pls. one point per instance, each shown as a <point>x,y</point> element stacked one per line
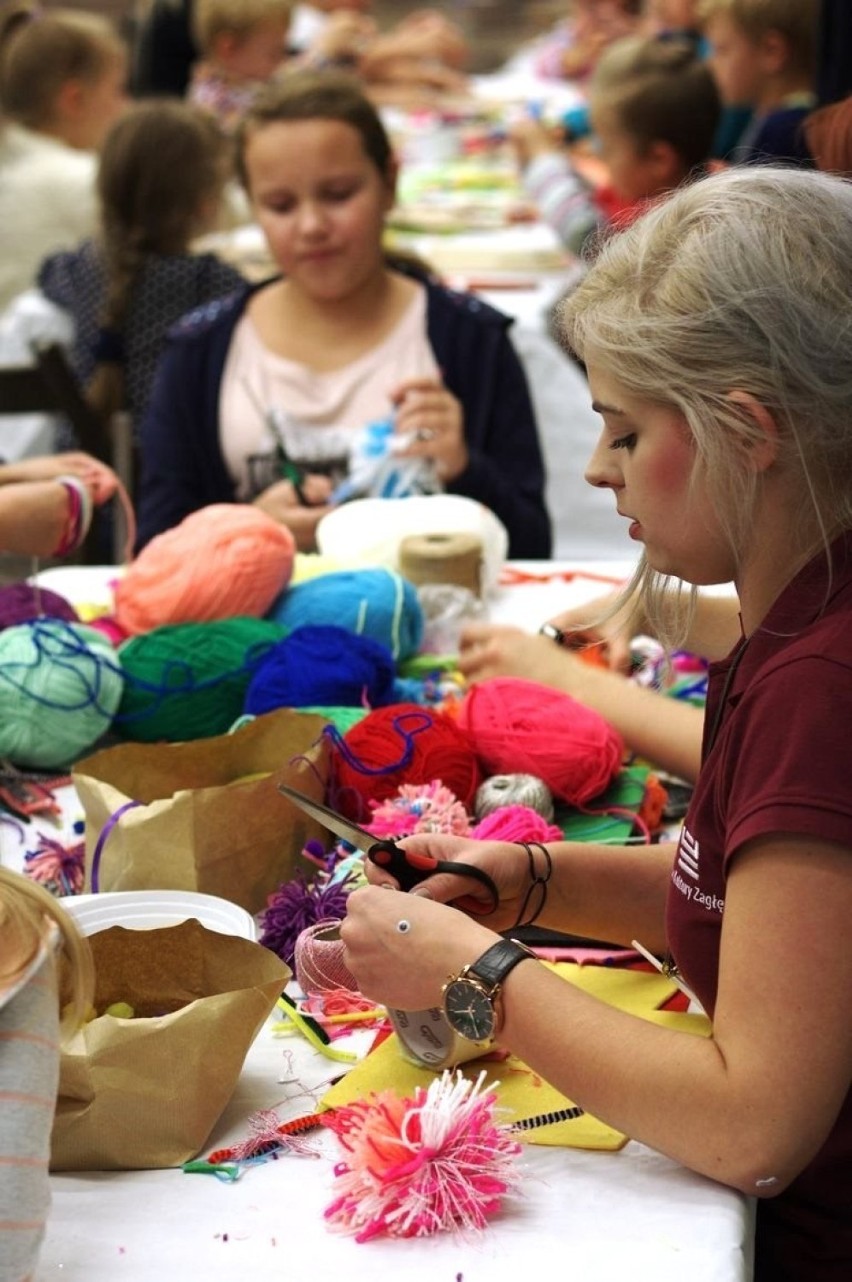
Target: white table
<point>602,1216</point>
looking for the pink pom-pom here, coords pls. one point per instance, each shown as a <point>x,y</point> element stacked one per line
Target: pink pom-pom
<point>423,1165</point>
<point>516,823</point>
<point>521,726</point>
<point>428,807</point>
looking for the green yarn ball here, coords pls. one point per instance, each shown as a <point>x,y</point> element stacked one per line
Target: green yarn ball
<point>189,680</point>
<point>60,686</point>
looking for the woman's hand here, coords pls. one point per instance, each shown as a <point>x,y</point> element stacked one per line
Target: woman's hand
<point>403,948</point>
<point>284,503</point>
<point>507,864</point>
<point>430,419</point>
<point>493,650</point>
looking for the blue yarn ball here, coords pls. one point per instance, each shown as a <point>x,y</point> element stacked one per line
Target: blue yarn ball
<point>60,687</point>
<point>374,602</point>
<point>322,665</point>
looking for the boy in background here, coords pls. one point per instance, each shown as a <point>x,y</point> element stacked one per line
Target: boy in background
<point>763,55</point>
<point>654,110</point>
<point>242,43</point>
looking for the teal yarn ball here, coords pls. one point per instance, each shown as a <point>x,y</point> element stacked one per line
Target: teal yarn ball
<point>375,602</point>
<point>60,687</point>
<point>188,680</point>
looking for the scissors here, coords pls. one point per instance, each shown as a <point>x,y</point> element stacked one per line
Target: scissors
<point>407,867</point>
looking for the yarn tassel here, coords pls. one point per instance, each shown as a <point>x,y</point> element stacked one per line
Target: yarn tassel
<point>58,868</point>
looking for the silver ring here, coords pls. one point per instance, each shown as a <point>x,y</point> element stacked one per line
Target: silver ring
<point>425,434</point>
<point>403,926</point>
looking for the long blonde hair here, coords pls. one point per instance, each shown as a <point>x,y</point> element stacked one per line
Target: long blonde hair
<point>739,282</point>
<point>25,910</point>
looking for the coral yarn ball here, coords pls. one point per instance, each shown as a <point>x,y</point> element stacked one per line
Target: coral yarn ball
<point>224,560</point>
<point>403,743</point>
<point>521,726</point>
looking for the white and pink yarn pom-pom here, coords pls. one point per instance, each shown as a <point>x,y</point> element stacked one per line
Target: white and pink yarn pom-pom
<point>421,1165</point>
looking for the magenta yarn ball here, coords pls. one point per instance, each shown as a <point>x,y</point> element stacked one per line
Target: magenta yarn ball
<point>223,561</point>
<point>521,726</point>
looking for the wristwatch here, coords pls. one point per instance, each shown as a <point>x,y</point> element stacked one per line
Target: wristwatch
<point>472,999</point>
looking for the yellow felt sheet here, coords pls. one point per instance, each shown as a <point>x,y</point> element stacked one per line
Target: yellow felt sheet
<point>522,1093</point>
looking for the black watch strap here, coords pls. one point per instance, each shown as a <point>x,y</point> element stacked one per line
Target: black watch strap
<point>496,962</point>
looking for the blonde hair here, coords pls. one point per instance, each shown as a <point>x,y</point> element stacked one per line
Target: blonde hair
<point>25,910</point>
<point>738,282</point>
<point>42,50</point>
<point>214,18</point>
<point>659,91</point>
<point>796,20</point>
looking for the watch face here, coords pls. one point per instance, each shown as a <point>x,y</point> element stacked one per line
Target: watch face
<point>468,1009</point>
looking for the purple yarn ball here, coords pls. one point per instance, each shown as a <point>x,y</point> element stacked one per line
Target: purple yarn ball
<point>21,603</point>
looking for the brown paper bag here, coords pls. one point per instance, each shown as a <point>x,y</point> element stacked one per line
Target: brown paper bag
<point>210,818</point>
<point>147,1092</point>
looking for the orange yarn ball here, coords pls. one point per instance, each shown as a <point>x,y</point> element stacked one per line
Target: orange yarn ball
<point>224,560</point>
<point>523,727</point>
<point>403,743</point>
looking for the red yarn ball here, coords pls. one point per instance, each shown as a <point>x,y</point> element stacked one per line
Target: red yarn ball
<point>403,743</point>
<point>525,728</point>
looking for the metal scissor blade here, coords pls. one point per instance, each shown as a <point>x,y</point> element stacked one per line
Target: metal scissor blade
<point>330,819</point>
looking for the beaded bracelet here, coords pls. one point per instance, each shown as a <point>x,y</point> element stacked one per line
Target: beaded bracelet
<point>535,882</point>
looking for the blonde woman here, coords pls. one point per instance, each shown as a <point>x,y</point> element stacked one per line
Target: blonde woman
<point>718,339</point>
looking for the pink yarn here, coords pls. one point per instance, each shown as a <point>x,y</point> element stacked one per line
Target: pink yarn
<point>224,560</point>
<point>516,823</point>
<point>318,960</point>
<point>521,726</point>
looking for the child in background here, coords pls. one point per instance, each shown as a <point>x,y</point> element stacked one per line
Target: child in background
<point>572,49</point>
<point>37,938</point>
<point>763,55</point>
<point>242,44</point>
<point>654,110</point>
<point>716,333</point>
<point>160,182</point>
<point>263,397</point>
<point>62,78</point>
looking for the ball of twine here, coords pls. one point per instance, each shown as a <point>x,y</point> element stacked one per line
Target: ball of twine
<point>522,726</point>
<point>513,790</point>
<point>322,665</point>
<point>60,687</point>
<point>224,560</point>
<point>400,744</point>
<point>375,603</point>
<point>319,962</point>
<point>189,681</point>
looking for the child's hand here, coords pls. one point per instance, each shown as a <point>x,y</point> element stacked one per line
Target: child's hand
<point>429,418</point>
<point>530,138</point>
<point>299,509</point>
<point>345,35</point>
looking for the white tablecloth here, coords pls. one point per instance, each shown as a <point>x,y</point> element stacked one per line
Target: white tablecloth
<point>603,1216</point>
